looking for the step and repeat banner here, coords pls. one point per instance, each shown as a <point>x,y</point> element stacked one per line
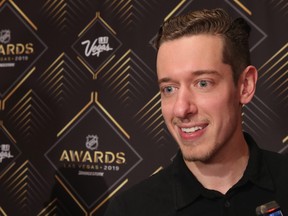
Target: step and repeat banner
<point>80,117</point>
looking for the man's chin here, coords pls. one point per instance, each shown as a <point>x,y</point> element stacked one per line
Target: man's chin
<point>203,157</point>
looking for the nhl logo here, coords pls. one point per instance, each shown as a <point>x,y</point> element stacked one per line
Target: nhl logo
<point>5,36</point>
<point>92,142</point>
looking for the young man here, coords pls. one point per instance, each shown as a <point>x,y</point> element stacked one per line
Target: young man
<point>205,77</point>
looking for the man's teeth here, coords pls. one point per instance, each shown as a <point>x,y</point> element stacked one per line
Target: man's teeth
<point>192,129</point>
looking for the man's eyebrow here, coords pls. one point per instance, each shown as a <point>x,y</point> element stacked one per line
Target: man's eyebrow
<point>194,73</point>
<point>201,72</point>
<point>164,80</point>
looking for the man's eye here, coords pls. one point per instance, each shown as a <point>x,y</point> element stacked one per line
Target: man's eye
<point>203,83</point>
<point>168,90</point>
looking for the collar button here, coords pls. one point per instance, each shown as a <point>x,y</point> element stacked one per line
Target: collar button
<point>227,204</point>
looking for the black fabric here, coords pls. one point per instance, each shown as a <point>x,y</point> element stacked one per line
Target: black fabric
<point>175,191</point>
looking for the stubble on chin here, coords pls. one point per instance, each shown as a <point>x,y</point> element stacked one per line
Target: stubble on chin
<point>191,155</point>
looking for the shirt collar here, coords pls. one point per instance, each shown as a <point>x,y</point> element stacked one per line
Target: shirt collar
<point>187,188</point>
<point>257,171</point>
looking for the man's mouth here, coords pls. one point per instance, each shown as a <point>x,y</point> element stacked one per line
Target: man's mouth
<point>192,129</point>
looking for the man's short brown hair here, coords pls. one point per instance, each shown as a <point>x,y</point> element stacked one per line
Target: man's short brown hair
<point>215,22</point>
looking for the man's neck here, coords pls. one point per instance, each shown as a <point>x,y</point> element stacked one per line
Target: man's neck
<point>221,175</point>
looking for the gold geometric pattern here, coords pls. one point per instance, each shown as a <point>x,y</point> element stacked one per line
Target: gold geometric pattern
<point>65,96</point>
<point>2,212</point>
<point>24,185</point>
<point>62,79</point>
<point>29,115</point>
<point>274,75</point>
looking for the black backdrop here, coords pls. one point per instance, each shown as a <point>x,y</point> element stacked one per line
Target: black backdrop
<point>80,118</point>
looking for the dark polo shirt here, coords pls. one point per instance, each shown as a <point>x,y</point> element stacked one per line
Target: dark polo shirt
<point>175,190</point>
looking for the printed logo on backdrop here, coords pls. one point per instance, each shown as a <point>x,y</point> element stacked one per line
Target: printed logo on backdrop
<point>96,44</point>
<point>5,36</point>
<point>5,152</point>
<point>93,152</point>
<point>93,162</point>
<point>92,142</point>
<point>96,47</point>
<point>8,149</point>
<point>20,47</point>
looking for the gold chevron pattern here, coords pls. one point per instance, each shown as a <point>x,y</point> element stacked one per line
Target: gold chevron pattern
<point>68,117</point>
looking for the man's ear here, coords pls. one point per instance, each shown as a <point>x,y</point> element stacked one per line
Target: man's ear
<point>247,84</point>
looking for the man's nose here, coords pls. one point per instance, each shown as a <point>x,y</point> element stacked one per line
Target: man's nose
<point>185,104</point>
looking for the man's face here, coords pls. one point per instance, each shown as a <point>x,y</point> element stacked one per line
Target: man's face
<point>200,102</point>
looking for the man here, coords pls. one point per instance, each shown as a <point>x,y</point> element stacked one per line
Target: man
<point>205,77</point>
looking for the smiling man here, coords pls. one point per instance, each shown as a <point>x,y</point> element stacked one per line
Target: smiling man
<point>205,77</point>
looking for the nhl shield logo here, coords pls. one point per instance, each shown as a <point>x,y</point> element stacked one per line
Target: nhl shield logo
<point>5,36</point>
<point>92,142</point>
